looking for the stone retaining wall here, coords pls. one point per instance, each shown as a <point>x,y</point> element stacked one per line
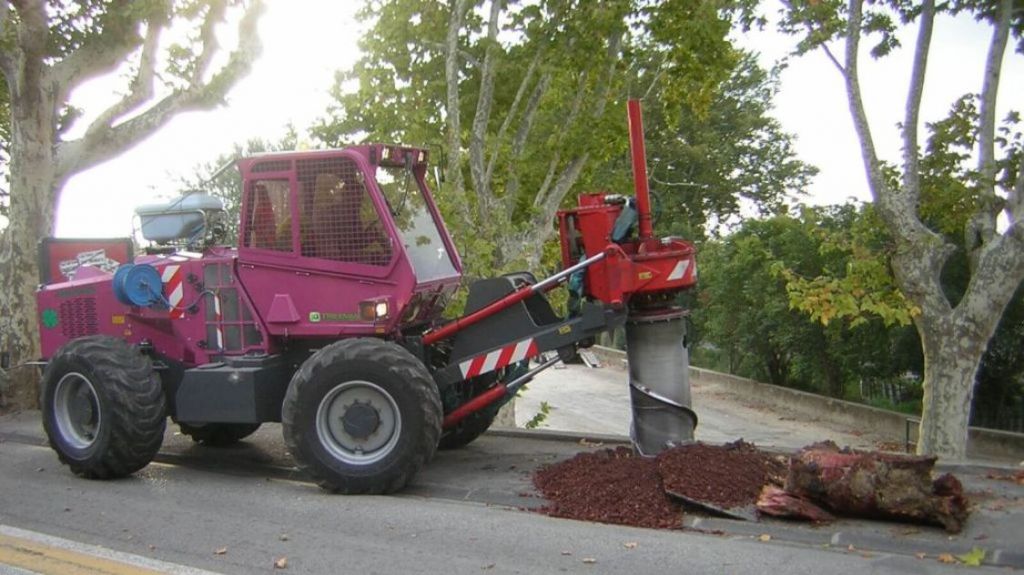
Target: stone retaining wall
<point>981,442</point>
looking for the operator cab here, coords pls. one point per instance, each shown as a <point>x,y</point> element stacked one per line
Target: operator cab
<point>362,212</point>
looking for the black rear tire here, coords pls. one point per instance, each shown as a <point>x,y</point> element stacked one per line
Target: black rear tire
<point>218,434</point>
<point>104,410</point>
<point>362,416</point>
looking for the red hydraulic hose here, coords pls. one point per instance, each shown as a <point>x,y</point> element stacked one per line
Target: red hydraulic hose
<point>636,146</point>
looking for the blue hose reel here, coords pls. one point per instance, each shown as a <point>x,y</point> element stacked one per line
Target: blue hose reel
<point>139,285</point>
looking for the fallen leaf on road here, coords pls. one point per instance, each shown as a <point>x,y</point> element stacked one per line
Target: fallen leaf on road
<point>488,566</point>
<point>764,537</point>
<point>221,551</point>
<point>947,558</point>
<point>281,563</point>
<point>630,545</point>
<point>920,555</point>
<point>974,557</point>
<point>589,560</point>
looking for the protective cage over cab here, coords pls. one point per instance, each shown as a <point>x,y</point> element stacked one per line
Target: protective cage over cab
<point>362,212</point>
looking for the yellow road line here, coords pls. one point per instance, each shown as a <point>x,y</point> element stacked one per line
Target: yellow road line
<point>50,560</point>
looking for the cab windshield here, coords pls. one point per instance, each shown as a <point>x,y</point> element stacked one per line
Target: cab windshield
<point>419,233</point>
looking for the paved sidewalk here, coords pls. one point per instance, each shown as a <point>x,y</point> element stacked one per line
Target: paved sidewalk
<point>585,400</point>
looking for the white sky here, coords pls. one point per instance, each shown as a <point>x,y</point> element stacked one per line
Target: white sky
<point>306,41</point>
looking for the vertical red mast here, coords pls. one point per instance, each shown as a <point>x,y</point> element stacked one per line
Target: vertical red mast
<point>636,145</point>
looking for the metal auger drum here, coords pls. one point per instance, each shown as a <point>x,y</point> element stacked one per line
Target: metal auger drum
<point>659,382</point>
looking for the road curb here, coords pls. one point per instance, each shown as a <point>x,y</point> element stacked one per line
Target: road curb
<point>559,435</point>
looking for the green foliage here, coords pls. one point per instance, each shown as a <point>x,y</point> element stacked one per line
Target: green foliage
<point>973,558</point>
<point>854,282</point>
<point>539,417</point>
<point>562,71</point>
<point>703,165</point>
<point>749,326</point>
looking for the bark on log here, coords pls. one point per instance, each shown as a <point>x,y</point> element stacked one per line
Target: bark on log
<point>877,485</point>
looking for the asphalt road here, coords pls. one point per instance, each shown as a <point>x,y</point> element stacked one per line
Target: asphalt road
<point>465,514</point>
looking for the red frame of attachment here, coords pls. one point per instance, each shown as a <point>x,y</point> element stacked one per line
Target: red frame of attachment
<point>639,154</point>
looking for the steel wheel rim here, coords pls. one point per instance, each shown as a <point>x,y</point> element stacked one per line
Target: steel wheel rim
<point>340,443</point>
<point>76,408</point>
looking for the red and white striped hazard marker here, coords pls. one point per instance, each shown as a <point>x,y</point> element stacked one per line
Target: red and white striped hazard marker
<point>498,358</point>
<point>174,289</point>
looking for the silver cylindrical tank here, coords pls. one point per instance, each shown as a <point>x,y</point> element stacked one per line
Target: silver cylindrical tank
<point>659,380</point>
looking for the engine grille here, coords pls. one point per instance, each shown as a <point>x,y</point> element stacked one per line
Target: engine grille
<point>78,317</point>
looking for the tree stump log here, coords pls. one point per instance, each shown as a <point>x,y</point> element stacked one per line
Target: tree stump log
<point>877,485</point>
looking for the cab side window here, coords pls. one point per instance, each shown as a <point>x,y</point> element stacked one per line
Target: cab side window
<point>268,217</point>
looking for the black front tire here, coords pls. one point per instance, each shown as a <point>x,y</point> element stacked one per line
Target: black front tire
<point>218,434</point>
<point>468,430</point>
<point>104,410</point>
<point>362,416</point>
<point>475,424</point>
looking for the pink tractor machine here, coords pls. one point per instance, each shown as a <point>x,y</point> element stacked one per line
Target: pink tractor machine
<point>328,317</point>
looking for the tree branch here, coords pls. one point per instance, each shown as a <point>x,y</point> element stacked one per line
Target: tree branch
<point>208,40</point>
<point>105,142</point>
<point>482,117</point>
<point>911,151</point>
<point>469,58</point>
<point>832,57</point>
<point>856,103</point>
<point>828,51</point>
<point>530,114</point>
<point>981,228</point>
<point>577,103</point>
<point>512,111</point>
<point>614,46</point>
<point>519,143</point>
<point>104,53</point>
<point>141,89</point>
<point>1015,199</point>
<point>1000,269</point>
<point>654,81</point>
<point>454,140</point>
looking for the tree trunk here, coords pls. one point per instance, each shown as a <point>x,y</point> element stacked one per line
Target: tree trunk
<point>33,202</point>
<point>951,361</point>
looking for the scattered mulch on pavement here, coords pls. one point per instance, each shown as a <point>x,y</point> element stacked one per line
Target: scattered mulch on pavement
<point>608,486</point>
<point>619,486</point>
<point>1017,477</point>
<point>725,476</point>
